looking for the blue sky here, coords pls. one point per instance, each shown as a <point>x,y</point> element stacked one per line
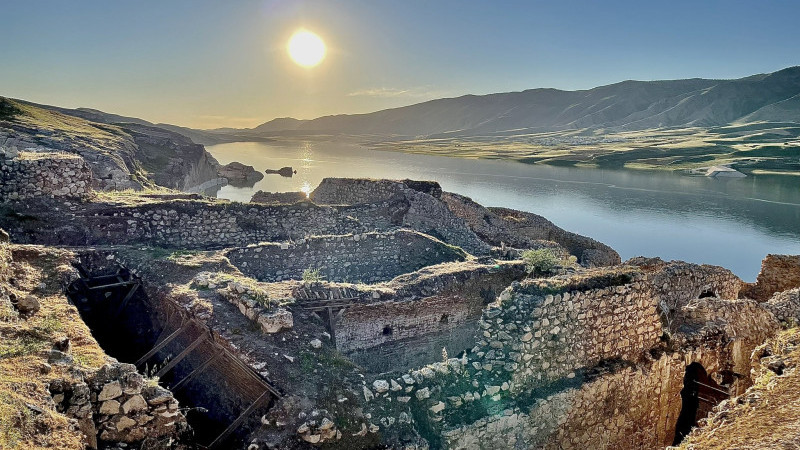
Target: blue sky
<point>207,63</point>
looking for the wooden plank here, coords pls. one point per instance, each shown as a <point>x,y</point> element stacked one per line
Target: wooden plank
<point>251,372</point>
<point>196,371</point>
<point>332,324</point>
<point>160,345</point>
<point>238,422</point>
<point>127,299</point>
<point>113,285</point>
<point>174,362</point>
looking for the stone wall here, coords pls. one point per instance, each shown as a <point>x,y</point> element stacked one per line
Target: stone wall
<point>31,175</point>
<point>778,273</point>
<point>204,224</point>
<point>356,191</point>
<point>573,359</point>
<point>433,302</point>
<point>630,407</point>
<point>416,205</point>
<point>115,404</point>
<point>786,307</point>
<point>278,198</point>
<point>367,257</point>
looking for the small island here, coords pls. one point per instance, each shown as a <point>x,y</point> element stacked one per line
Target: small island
<point>283,171</point>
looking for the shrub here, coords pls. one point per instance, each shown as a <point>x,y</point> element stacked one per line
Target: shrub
<point>312,275</point>
<point>8,109</point>
<point>541,261</point>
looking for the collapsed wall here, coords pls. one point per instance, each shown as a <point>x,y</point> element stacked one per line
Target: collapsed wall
<point>357,258</point>
<point>417,203</point>
<point>29,175</point>
<point>778,273</point>
<point>499,226</point>
<point>115,404</point>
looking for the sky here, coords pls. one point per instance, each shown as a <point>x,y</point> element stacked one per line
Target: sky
<point>211,63</point>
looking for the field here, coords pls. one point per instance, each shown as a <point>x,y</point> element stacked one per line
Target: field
<point>760,148</point>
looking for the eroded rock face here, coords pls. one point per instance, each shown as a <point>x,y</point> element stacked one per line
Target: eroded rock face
<point>499,226</point>
<point>120,156</point>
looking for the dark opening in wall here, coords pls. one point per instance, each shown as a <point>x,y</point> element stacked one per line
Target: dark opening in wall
<point>163,341</point>
<point>708,294</point>
<point>699,395</point>
<point>387,330</point>
<point>445,318</point>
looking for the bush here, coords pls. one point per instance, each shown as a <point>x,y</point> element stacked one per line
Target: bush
<point>312,275</point>
<point>541,261</point>
<point>8,110</point>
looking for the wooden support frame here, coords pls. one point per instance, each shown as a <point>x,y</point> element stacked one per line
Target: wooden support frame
<point>174,362</point>
<point>196,371</point>
<point>160,345</point>
<point>125,300</point>
<point>238,422</point>
<point>332,324</point>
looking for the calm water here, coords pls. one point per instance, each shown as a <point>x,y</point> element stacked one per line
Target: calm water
<point>733,223</point>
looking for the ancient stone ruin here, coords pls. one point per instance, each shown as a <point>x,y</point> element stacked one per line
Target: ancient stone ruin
<point>373,314</point>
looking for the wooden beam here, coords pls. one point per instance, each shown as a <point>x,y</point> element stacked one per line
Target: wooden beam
<point>196,371</point>
<point>174,361</point>
<point>332,324</point>
<point>238,422</point>
<point>160,345</point>
<point>113,285</point>
<point>127,299</point>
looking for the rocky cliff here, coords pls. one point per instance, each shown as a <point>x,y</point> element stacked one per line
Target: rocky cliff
<point>121,156</point>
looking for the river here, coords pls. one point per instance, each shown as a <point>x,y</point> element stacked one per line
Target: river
<point>728,222</point>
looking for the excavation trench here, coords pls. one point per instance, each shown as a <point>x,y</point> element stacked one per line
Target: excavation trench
<point>222,397</point>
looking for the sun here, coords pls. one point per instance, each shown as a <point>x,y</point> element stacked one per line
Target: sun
<point>306,48</point>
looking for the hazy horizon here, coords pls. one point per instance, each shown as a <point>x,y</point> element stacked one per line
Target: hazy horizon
<point>207,65</point>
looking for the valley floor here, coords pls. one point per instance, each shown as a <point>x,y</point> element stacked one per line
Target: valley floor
<point>757,149</point>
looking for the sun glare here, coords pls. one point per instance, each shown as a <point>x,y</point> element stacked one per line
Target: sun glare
<point>306,48</point>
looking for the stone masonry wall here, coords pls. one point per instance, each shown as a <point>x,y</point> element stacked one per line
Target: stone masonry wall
<point>31,175</point>
<point>633,407</point>
<point>115,404</point>
<point>786,306</point>
<point>367,258</point>
<point>433,300</point>
<point>778,273</point>
<point>549,339</point>
<point>200,224</point>
<point>417,205</point>
<point>356,191</point>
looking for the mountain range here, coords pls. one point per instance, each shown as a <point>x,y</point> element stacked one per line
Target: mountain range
<point>627,105</point>
<point>624,106</point>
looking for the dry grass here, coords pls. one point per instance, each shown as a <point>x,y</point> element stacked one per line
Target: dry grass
<point>27,419</point>
<point>767,416</point>
<point>654,149</point>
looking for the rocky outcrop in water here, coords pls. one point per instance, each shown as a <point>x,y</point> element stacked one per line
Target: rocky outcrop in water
<point>239,174</point>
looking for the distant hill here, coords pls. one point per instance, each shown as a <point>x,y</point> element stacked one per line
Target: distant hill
<point>628,105</point>
<point>624,106</point>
